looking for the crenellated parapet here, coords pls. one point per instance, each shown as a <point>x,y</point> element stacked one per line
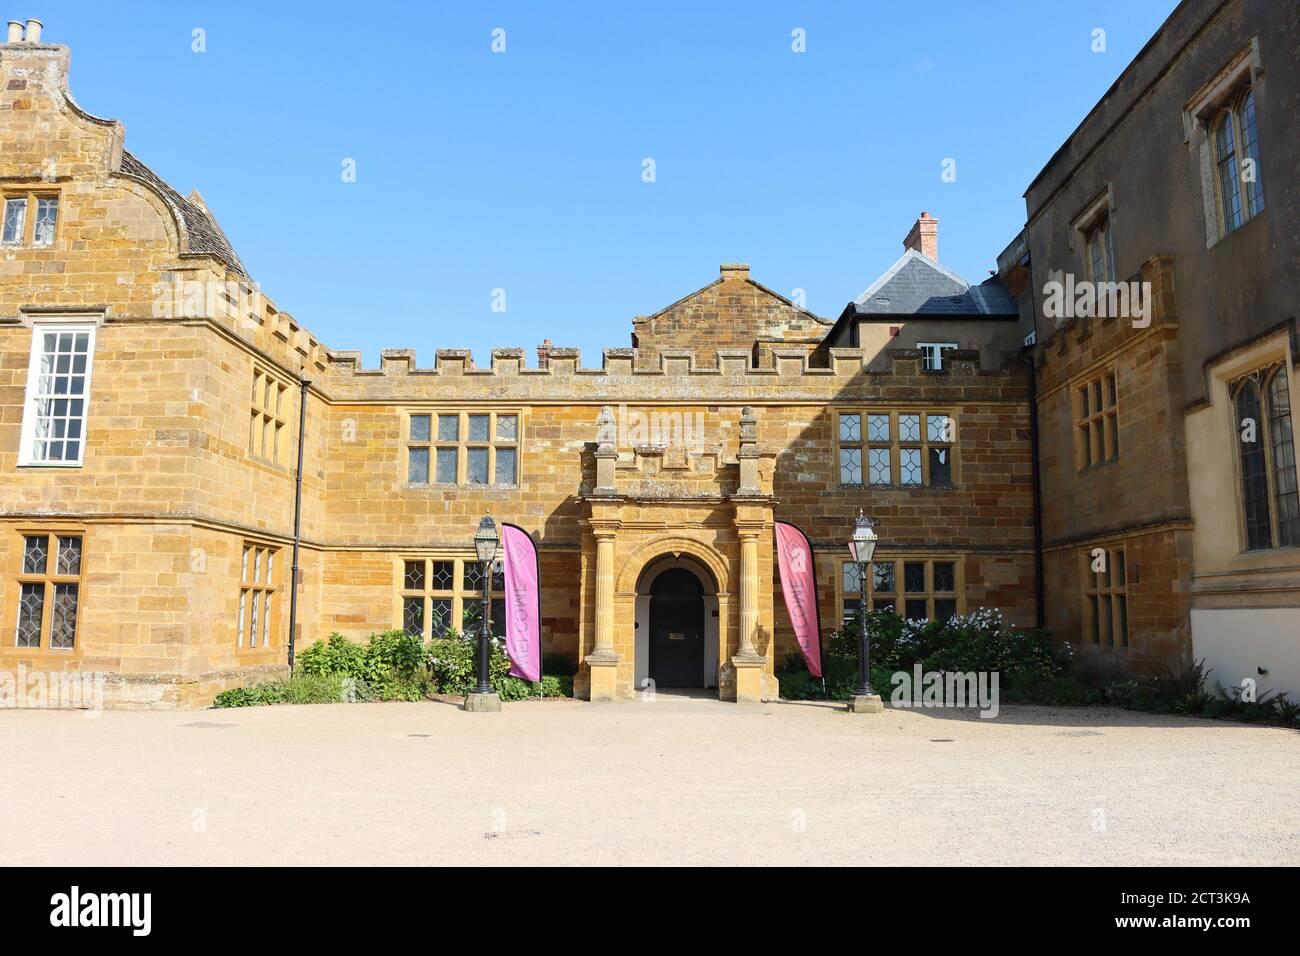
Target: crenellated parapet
<point>683,375</point>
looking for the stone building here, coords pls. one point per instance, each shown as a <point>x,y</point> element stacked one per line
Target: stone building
<point>150,399</point>
<point>1167,455</point>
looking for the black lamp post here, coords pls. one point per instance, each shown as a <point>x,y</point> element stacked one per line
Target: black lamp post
<point>486,540</point>
<point>863,546</point>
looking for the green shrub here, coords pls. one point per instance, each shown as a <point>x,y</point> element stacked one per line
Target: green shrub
<point>302,688</point>
<point>395,665</point>
<point>1048,690</point>
<point>979,641</point>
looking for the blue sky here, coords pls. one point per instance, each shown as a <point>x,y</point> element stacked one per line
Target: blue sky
<point>522,170</point>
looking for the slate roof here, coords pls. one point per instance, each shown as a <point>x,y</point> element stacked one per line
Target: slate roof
<point>916,285</point>
<point>202,233</point>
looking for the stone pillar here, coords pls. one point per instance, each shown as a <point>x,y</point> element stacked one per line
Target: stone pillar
<point>747,661</point>
<point>603,659</point>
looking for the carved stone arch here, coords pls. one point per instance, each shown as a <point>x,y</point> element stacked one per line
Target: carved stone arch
<point>716,563</point>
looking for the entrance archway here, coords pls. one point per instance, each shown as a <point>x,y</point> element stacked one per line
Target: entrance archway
<point>676,625</point>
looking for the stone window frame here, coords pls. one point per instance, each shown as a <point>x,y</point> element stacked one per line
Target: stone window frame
<point>432,443</point>
<point>1282,532</point>
<point>1095,404</point>
<point>847,593</point>
<point>269,417</point>
<point>259,587</point>
<point>1095,223</point>
<point>1108,589</point>
<point>932,354</point>
<point>1203,113</point>
<point>32,198</point>
<point>458,598</point>
<point>76,324</point>
<point>865,444</point>
<point>50,579</point>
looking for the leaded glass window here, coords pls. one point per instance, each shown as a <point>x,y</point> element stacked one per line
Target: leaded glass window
<point>49,592</point>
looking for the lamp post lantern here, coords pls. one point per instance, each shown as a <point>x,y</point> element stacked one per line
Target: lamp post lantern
<point>862,547</point>
<point>486,541</point>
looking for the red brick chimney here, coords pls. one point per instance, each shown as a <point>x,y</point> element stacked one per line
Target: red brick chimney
<point>544,354</point>
<point>924,237</point>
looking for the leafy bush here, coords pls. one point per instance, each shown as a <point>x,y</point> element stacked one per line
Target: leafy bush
<point>1032,669</point>
<point>1183,691</point>
<point>302,688</point>
<point>395,665</point>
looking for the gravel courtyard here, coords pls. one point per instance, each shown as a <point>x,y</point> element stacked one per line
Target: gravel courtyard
<point>680,780</point>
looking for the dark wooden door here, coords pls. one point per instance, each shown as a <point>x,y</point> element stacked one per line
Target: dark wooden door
<point>677,630</point>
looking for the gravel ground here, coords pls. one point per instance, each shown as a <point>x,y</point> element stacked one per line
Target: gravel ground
<point>681,780</point>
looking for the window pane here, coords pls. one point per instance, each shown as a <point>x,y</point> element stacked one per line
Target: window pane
<point>69,562</point>
<point>476,466</point>
<point>266,619</point>
<point>243,609</point>
<point>499,617</point>
<point>478,428</point>
<point>882,577</point>
<point>439,616</point>
<point>15,220</point>
<point>505,466</point>
<point>851,606</point>
<point>498,575</point>
<point>448,428</point>
<point>419,428</point>
<point>1117,559</point>
<point>944,608</point>
<point>909,427</point>
<point>1229,193</point>
<point>1285,495</point>
<point>507,427</point>
<point>945,576</point>
<point>851,577</point>
<point>878,465</point>
<point>417,472</point>
<point>413,576</point>
<point>1104,624</point>
<point>1096,621</point>
<point>883,606</point>
<point>1250,149</point>
<point>914,576</point>
<point>471,576</point>
<point>1122,603</point>
<point>878,428</point>
<point>1254,483</point>
<point>35,554</point>
<point>47,214</point>
<point>909,465</point>
<point>252,627</point>
<point>446,466</point>
<point>850,466</point>
<point>413,616</point>
<point>916,610</point>
<point>940,466</point>
<point>851,428</point>
<point>1083,402</point>
<point>31,605</point>
<point>938,428</point>
<point>443,576</point>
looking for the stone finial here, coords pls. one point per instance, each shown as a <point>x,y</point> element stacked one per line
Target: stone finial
<point>606,450</point>
<point>749,453</point>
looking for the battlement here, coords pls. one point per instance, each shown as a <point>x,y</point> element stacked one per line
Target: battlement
<point>621,363</point>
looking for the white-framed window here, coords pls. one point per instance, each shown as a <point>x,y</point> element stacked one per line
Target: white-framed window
<point>58,394</point>
<point>933,353</point>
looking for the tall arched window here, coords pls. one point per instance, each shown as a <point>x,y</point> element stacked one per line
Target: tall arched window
<point>1236,155</point>
<point>1270,500</point>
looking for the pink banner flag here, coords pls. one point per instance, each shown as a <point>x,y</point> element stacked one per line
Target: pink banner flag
<point>799,586</point>
<point>523,603</point>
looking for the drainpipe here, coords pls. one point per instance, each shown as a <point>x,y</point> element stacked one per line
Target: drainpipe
<point>303,383</point>
<point>1026,356</point>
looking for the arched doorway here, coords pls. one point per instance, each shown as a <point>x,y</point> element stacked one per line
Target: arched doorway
<point>676,629</point>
